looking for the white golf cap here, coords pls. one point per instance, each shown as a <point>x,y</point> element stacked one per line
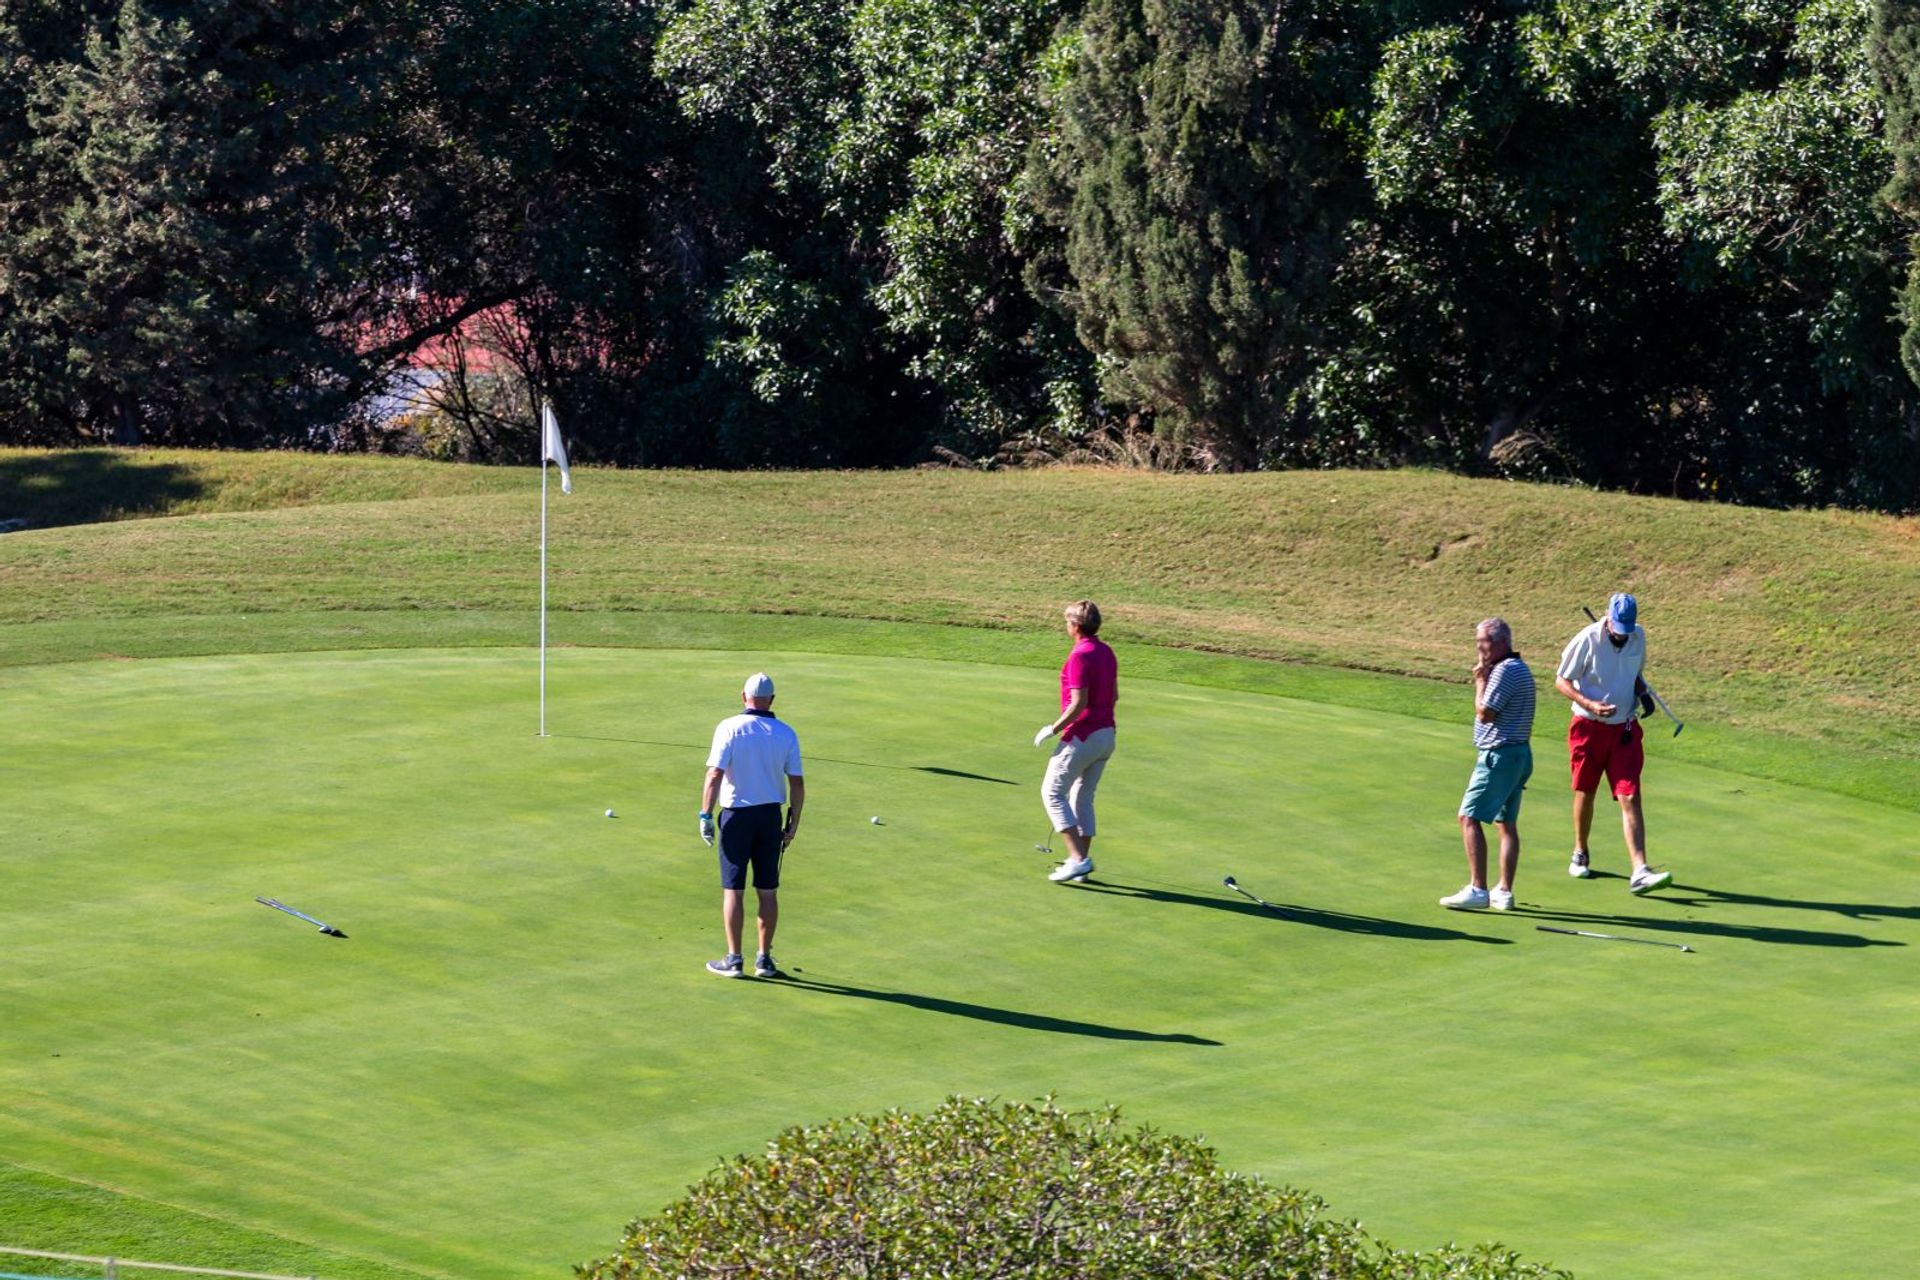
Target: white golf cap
<point>759,685</point>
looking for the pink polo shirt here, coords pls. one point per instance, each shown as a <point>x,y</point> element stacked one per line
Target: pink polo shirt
<point>1091,666</point>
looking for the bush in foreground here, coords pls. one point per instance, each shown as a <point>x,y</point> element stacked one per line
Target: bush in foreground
<point>975,1189</point>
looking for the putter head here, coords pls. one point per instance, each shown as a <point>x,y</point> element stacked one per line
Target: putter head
<point>1677,728</point>
<point>331,932</point>
<point>1229,882</point>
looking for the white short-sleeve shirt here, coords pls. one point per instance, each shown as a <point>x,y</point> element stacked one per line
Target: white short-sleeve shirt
<point>1601,672</point>
<point>759,754</point>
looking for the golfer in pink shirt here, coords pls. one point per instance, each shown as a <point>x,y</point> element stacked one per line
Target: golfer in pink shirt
<point>1089,686</point>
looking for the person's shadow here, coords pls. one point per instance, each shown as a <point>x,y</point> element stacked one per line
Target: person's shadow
<point>1691,895</point>
<point>1709,928</point>
<point>1315,917</point>
<point>988,1013</point>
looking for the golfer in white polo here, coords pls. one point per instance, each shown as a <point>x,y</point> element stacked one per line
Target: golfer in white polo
<point>752,768</point>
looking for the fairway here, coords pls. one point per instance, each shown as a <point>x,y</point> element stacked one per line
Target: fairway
<point>517,1049</point>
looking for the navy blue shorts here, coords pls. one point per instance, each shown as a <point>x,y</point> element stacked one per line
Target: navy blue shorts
<point>750,836</point>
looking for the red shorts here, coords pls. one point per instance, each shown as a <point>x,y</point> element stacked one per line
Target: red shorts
<point>1612,749</point>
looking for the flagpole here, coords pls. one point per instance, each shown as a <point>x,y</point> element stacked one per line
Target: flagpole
<point>543,592</point>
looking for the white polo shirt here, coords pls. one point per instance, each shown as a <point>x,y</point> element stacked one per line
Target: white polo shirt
<point>1601,672</point>
<point>759,754</point>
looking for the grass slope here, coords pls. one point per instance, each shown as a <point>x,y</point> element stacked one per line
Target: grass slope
<point>1783,637</point>
<point>516,1049</point>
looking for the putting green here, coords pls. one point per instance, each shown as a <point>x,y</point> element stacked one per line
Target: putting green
<point>517,1048</point>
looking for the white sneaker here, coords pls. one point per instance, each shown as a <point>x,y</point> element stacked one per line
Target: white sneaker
<point>1646,880</point>
<point>1071,870</point>
<point>1468,899</point>
<point>1577,865</point>
<point>1500,899</point>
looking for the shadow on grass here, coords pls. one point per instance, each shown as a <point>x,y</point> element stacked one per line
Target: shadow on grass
<point>1693,895</point>
<point>858,764</point>
<point>87,486</point>
<point>987,1013</point>
<point>1709,928</point>
<point>1316,917</point>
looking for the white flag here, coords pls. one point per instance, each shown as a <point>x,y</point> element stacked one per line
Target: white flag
<point>552,448</point>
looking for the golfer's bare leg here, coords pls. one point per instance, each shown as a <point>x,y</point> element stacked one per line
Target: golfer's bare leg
<point>1474,836</point>
<point>1582,818</point>
<point>1509,853</point>
<point>1634,826</point>
<point>769,917</point>
<point>732,912</point>
<point>1077,844</point>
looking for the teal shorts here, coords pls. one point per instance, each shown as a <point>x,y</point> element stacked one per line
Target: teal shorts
<point>1499,776</point>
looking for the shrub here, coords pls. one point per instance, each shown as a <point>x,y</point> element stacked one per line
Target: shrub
<point>977,1189</point>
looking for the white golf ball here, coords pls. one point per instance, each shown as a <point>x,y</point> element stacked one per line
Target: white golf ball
<point>875,819</point>
<point>609,813</point>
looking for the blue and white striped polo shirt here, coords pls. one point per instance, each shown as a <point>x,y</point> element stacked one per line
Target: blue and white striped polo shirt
<point>1510,694</point>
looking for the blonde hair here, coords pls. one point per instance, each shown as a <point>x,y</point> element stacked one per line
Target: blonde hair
<point>1084,615</point>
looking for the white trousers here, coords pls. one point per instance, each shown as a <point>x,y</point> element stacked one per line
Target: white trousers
<point>1073,771</point>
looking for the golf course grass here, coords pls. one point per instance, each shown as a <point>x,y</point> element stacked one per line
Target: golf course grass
<point>516,1048</point>
<point>228,676</point>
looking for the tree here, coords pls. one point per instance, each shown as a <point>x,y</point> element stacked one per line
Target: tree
<point>163,271</point>
<point>1200,206</point>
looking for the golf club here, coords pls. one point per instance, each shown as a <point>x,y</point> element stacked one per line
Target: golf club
<point>1234,885</point>
<point>1046,846</point>
<point>1658,700</point>
<point>1613,937</point>
<point>278,905</point>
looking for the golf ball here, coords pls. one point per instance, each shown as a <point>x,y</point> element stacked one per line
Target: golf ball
<point>609,813</point>
<point>875,819</point>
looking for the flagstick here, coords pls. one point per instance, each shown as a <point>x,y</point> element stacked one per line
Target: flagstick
<point>543,595</point>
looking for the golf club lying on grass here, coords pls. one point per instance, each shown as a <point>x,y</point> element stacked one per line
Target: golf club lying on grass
<point>278,905</point>
<point>1613,937</point>
<point>1234,885</point>
<point>1643,687</point>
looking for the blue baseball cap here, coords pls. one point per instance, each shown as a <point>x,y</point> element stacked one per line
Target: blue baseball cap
<point>1621,611</point>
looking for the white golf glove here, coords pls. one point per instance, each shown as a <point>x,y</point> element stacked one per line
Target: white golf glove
<point>706,828</point>
<point>1045,734</point>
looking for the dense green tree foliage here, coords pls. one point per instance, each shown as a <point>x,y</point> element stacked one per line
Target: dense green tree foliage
<point>1664,247</point>
<point>1200,209</point>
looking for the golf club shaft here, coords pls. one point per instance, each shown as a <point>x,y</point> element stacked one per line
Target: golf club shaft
<point>1612,937</point>
<point>1254,897</point>
<point>1668,711</point>
<point>278,905</point>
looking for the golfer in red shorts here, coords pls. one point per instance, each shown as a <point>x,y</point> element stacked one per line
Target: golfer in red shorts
<point>1600,673</point>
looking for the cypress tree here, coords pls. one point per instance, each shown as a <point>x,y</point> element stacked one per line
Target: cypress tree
<point>1194,195</point>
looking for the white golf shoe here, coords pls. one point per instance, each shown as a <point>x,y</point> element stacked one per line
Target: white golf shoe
<point>1468,899</point>
<point>1646,880</point>
<point>1500,899</point>
<point>1071,870</point>
<point>1577,865</point>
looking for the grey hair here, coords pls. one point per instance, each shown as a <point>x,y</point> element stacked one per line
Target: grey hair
<point>1496,629</point>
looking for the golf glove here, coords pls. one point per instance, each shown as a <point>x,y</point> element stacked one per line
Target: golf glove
<point>706,828</point>
<point>1041,738</point>
<point>1646,705</point>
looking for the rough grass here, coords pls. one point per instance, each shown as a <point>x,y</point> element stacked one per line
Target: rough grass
<point>1782,637</point>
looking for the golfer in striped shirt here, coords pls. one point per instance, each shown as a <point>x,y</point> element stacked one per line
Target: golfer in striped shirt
<point>1503,696</point>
